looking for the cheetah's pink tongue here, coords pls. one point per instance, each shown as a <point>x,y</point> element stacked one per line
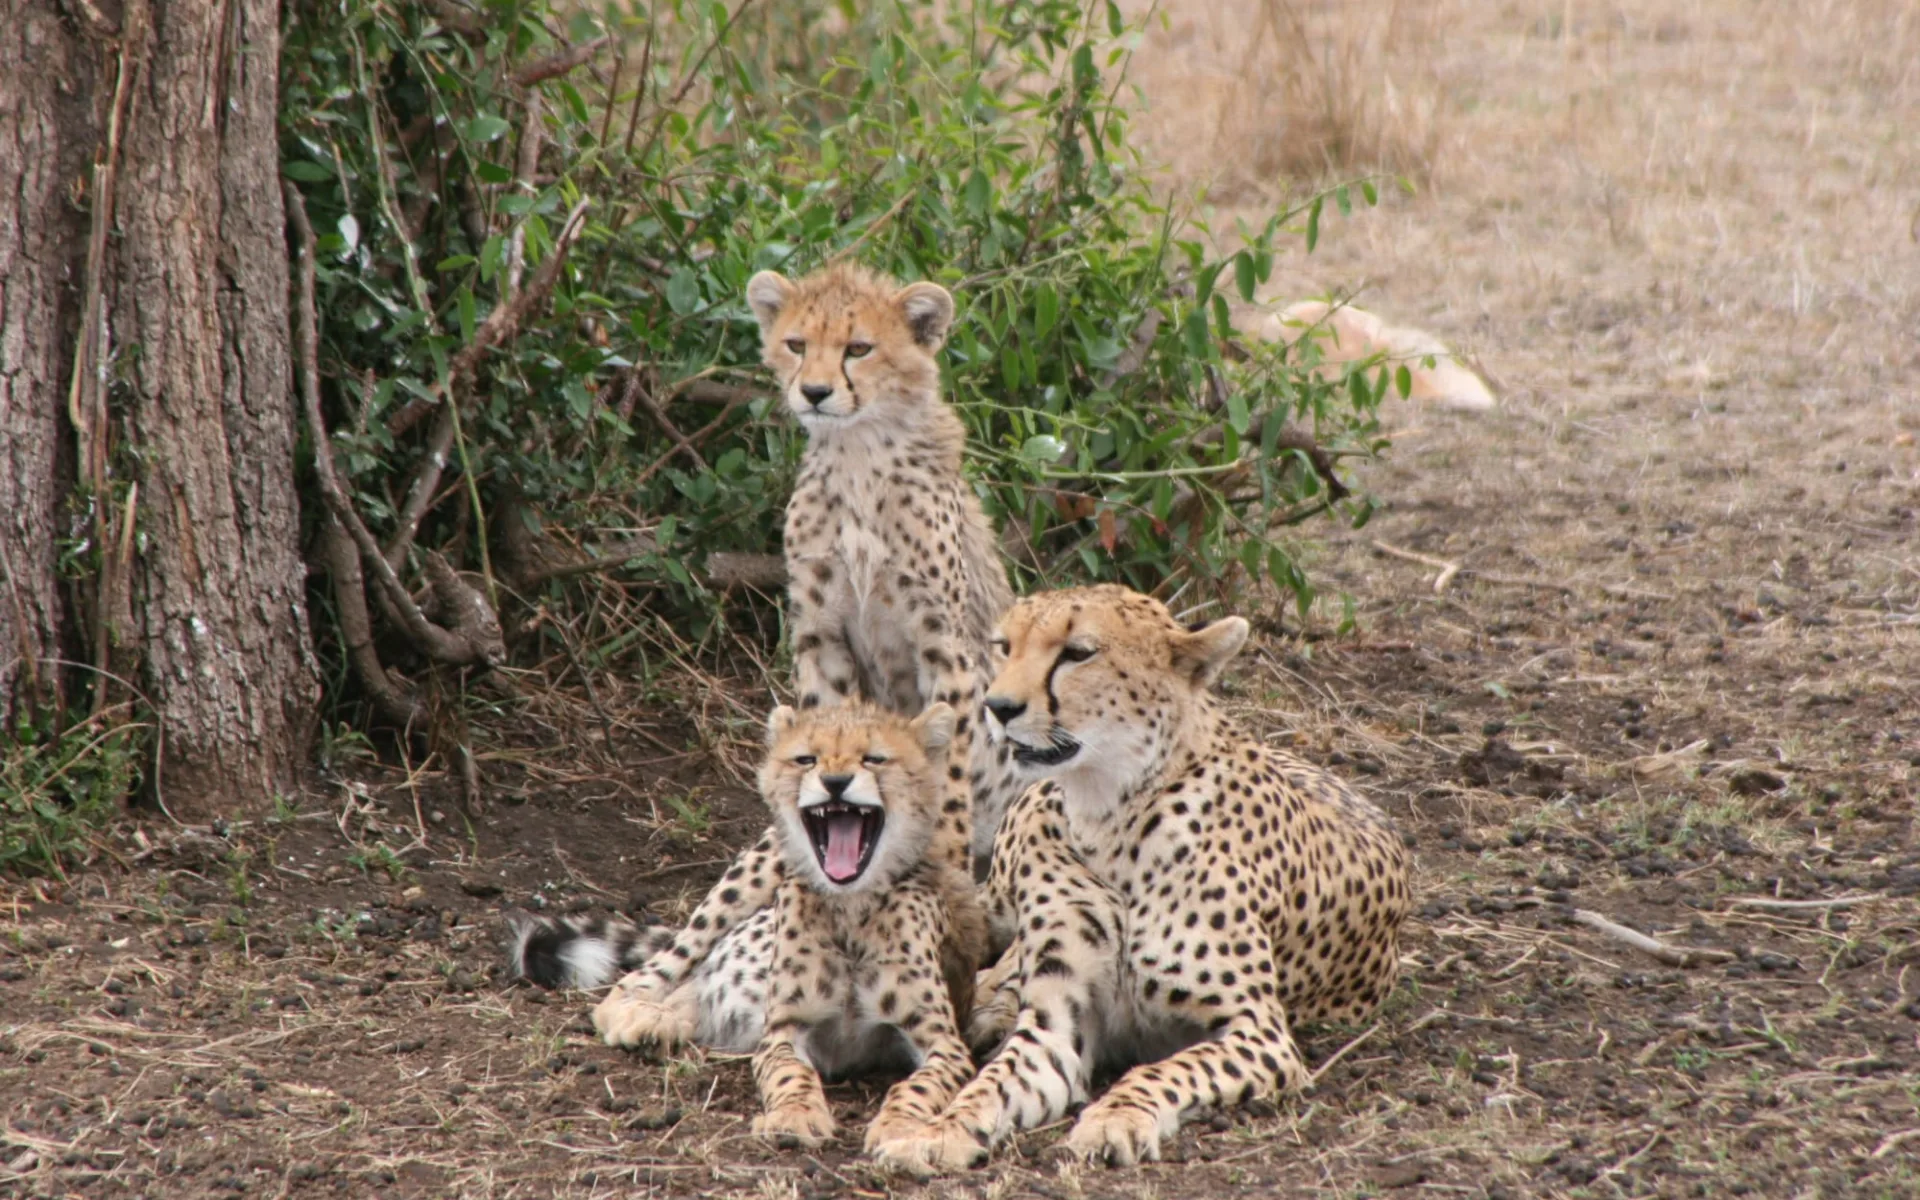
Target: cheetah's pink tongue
<point>844,832</point>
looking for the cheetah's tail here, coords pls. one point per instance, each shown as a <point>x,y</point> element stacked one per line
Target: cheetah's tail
<point>1347,334</point>
<point>579,952</point>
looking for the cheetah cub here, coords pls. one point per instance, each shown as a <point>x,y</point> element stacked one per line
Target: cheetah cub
<point>1173,884</point>
<point>876,932</point>
<point>894,583</point>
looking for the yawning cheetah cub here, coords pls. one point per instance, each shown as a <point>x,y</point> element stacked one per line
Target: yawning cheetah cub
<point>876,933</point>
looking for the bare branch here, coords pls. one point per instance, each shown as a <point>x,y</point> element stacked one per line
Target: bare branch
<point>1673,956</point>
<point>455,647</point>
<point>558,64</point>
<point>395,702</point>
<point>501,324</point>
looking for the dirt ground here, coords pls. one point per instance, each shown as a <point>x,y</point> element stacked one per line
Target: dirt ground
<point>1674,682</point>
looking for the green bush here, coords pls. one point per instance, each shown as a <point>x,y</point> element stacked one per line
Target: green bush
<point>61,781</point>
<point>1117,431</point>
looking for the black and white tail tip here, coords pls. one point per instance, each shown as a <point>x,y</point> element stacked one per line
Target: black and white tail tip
<point>579,952</point>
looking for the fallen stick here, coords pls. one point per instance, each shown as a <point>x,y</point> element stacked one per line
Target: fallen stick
<point>1446,568</point>
<point>1341,1053</point>
<point>1803,905</point>
<point>1673,956</point>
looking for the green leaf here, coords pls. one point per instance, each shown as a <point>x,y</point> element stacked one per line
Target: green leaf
<point>1313,224</point>
<point>1370,192</point>
<point>1243,275</point>
<point>978,194</point>
<point>1238,418</point>
<point>1046,310</point>
<point>306,172</point>
<point>1199,343</point>
<point>683,291</point>
<point>1345,201</point>
<point>463,302</point>
<point>1115,25</point>
<point>1043,448</point>
<point>486,129</point>
<point>1403,381</point>
<point>454,263</point>
<point>490,172</point>
<point>349,233</point>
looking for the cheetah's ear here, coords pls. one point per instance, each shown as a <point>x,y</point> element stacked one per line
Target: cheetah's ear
<point>928,309</point>
<point>768,293</point>
<point>934,727</point>
<point>779,721</point>
<point>1204,653</point>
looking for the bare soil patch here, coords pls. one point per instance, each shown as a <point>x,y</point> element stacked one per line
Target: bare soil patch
<point>1675,682</point>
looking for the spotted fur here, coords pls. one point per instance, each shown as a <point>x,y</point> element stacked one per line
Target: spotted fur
<point>894,580</point>
<point>874,968</point>
<point>1173,883</point>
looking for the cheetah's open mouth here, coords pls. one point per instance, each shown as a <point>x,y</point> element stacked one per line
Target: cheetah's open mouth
<point>1060,747</point>
<point>844,836</point>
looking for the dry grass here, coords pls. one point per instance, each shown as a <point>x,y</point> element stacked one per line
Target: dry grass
<point>1251,97</point>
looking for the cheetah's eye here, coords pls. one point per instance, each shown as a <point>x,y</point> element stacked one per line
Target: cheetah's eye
<point>1076,654</point>
<point>804,760</point>
<point>859,349</point>
<point>876,760</point>
<point>1000,645</point>
<point>797,345</point>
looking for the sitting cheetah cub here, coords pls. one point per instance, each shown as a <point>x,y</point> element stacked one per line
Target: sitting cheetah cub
<point>877,934</point>
<point>894,583</point>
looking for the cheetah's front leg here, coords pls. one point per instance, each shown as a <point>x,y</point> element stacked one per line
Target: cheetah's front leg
<point>909,990</point>
<point>818,600</point>
<point>801,994</point>
<point>1253,1054</point>
<point>647,1007</point>
<point>1068,973</point>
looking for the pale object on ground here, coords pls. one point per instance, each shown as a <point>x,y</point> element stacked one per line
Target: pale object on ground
<point>1347,334</point>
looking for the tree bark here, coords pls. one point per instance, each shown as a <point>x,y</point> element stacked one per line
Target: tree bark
<point>45,138</point>
<point>217,587</point>
<point>148,258</point>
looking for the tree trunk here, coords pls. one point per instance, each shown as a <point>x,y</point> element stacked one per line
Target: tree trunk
<point>44,143</point>
<point>182,408</point>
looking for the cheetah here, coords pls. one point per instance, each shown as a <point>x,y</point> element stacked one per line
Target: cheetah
<point>894,585</point>
<point>1170,883</point>
<point>878,932</point>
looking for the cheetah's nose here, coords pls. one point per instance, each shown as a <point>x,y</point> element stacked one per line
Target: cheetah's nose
<point>816,392</point>
<point>836,784</point>
<point>1003,709</point>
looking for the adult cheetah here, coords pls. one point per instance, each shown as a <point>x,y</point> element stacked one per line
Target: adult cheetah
<point>1172,882</point>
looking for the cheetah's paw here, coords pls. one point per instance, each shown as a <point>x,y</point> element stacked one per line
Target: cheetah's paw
<point>631,1018</point>
<point>945,1147</point>
<point>1118,1134</point>
<point>804,1126</point>
<point>893,1127</point>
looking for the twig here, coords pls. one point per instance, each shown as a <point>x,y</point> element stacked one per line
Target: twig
<point>688,443</point>
<point>501,324</point>
<point>1135,355</point>
<point>1339,1054</point>
<point>1894,1141</point>
<point>1803,905</point>
<point>526,163</point>
<point>558,64</point>
<point>356,628</point>
<point>1673,956</point>
<point>456,647</point>
<point>1448,569</point>
<point>1293,439</point>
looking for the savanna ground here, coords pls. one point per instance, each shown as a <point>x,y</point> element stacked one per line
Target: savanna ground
<point>1673,681</point>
